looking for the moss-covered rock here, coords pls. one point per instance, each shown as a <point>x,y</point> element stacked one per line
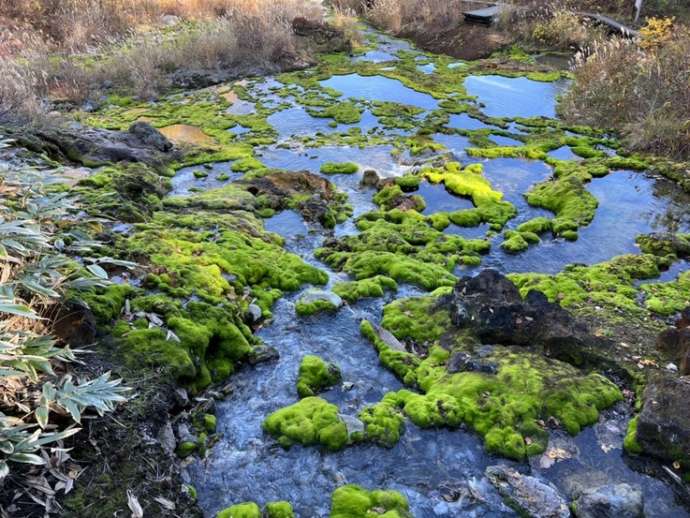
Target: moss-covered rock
<point>374,287</point>
<point>310,421</point>
<point>244,510</point>
<point>315,375</point>
<point>355,502</point>
<point>339,168</point>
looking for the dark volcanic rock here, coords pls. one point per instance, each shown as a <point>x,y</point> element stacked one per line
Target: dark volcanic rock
<point>663,428</point>
<point>491,305</point>
<point>611,501</point>
<point>95,146</point>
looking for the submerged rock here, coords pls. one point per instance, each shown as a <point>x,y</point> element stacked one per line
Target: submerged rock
<point>610,501</point>
<point>528,495</point>
<point>491,305</point>
<point>314,301</point>
<point>370,178</point>
<point>663,427</point>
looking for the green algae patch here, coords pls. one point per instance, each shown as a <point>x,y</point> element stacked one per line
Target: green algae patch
<point>517,241</point>
<point>315,375</point>
<point>310,421</point>
<point>280,509</point>
<point>470,182</point>
<point>353,291</point>
<point>243,510</point>
<point>353,501</point>
<point>342,112</point>
<point>416,318</point>
<point>339,168</point>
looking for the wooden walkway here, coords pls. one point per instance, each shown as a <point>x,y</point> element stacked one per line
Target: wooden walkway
<point>487,15</point>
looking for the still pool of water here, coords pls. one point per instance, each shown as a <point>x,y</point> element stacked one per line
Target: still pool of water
<point>379,88</point>
<point>515,96</point>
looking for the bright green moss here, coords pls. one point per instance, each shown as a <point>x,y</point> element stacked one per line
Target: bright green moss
<point>667,298</point>
<point>355,502</point>
<point>608,284</point>
<point>200,174</point>
<point>470,182</point>
<point>373,287</point>
<point>315,375</point>
<point>630,443</point>
<point>210,423</point>
<point>401,363</point>
<point>308,306</point>
<point>417,318</point>
<point>246,164</point>
<point>514,243</point>
<point>279,509</point>
<point>310,421</point>
<point>537,225</point>
<point>244,510</point>
<point>408,182</point>
<point>106,303</point>
<point>342,112</point>
<point>151,347</point>
<point>384,421</point>
<point>339,168</point>
<point>394,115</point>
<point>185,449</point>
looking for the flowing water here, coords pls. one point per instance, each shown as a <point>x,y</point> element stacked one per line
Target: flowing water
<point>426,464</point>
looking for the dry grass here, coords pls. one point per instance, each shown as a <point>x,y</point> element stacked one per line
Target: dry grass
<point>67,50</point>
<point>642,92</point>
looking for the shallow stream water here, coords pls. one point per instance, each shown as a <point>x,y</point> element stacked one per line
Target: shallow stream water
<point>425,465</point>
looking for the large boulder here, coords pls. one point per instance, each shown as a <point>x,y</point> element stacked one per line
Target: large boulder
<point>96,146</point>
<point>528,495</point>
<point>610,501</point>
<point>663,427</point>
<point>491,305</point>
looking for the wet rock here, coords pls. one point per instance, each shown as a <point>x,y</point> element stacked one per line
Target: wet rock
<point>181,397</point>
<point>254,313</point>
<point>166,437</point>
<point>353,424</point>
<point>491,305</point>
<point>663,427</point>
<point>96,146</point>
<point>263,353</point>
<point>390,340</point>
<point>526,494</point>
<point>184,434</point>
<point>347,386</point>
<point>461,361</point>
<point>150,136</point>
<point>279,189</point>
<point>370,178</point>
<point>611,501</point>
<point>675,342</point>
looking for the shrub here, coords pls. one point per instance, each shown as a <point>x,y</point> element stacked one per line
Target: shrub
<point>641,92</point>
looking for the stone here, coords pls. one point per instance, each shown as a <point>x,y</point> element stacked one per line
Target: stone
<point>181,397</point>
<point>461,361</point>
<point>166,436</point>
<point>663,426</point>
<point>353,424</point>
<point>491,305</point>
<point>150,136</point>
<point>610,501</point>
<point>526,494</point>
<point>314,295</point>
<point>262,353</point>
<point>370,178</point>
<point>254,313</point>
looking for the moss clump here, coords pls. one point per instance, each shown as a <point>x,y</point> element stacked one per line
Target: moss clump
<point>408,182</point>
<point>419,319</point>
<point>106,303</point>
<point>199,174</point>
<point>401,363</point>
<point>339,168</point>
<point>630,443</point>
<point>608,284</point>
<point>374,287</point>
<point>667,298</point>
<point>342,112</point>
<point>315,375</point>
<point>355,502</point>
<point>279,509</point>
<point>314,302</point>
<point>210,423</point>
<point>383,422</point>
<point>185,449</point>
<point>514,243</point>
<point>504,408</point>
<point>470,182</point>
<point>244,510</point>
<point>310,421</point>
<point>536,226</point>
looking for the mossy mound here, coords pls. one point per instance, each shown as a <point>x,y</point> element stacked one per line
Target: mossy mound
<point>310,421</point>
<point>279,509</point>
<point>505,408</point>
<point>630,443</point>
<point>419,319</point>
<point>315,375</point>
<point>470,182</point>
<point>667,298</point>
<point>355,502</point>
<point>373,287</point>
<point>339,168</point>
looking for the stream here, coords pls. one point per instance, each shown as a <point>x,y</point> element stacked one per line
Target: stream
<point>426,465</point>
